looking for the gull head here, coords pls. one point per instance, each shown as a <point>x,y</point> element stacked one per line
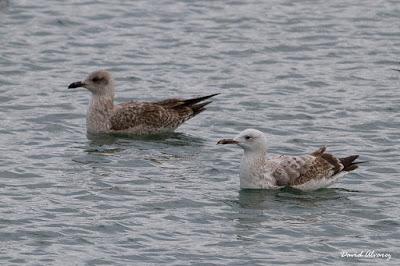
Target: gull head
<point>99,83</point>
<point>249,139</point>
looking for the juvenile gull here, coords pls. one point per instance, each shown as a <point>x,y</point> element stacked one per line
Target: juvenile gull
<point>306,172</point>
<point>134,117</point>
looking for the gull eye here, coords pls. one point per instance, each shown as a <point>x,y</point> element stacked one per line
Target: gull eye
<point>247,137</point>
<point>96,79</point>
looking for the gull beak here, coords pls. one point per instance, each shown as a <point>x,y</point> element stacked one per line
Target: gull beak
<point>228,141</point>
<point>76,85</point>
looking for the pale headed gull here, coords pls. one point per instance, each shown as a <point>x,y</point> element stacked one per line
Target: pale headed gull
<point>133,117</point>
<point>306,172</point>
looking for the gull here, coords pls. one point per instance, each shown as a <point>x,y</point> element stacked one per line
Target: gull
<point>305,172</point>
<point>134,117</point>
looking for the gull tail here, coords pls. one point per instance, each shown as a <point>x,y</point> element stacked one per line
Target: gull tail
<point>197,105</point>
<point>349,163</point>
<point>198,108</point>
<point>193,101</point>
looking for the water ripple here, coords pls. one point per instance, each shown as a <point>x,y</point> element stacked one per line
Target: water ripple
<point>308,73</point>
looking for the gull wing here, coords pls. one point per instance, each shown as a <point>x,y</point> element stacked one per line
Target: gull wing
<point>142,116</point>
<point>297,170</point>
<point>156,116</point>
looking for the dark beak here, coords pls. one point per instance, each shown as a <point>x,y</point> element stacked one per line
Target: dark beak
<point>227,141</point>
<point>76,85</point>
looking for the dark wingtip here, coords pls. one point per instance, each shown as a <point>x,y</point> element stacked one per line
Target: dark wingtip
<point>198,108</point>
<point>396,69</point>
<point>215,94</point>
<point>193,101</point>
<point>349,163</point>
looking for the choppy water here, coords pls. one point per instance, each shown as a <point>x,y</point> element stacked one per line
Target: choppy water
<point>308,73</point>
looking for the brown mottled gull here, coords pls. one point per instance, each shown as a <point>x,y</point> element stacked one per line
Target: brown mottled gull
<point>306,172</point>
<point>134,117</point>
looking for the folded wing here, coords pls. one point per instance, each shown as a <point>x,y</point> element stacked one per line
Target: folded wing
<point>297,170</point>
<point>156,116</point>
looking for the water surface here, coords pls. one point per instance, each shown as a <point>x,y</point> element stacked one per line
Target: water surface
<point>308,73</point>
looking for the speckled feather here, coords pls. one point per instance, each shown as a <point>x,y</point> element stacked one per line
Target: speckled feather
<point>150,116</point>
<point>297,170</point>
<point>134,117</point>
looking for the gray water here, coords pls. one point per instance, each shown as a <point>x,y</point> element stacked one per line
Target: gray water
<point>308,73</point>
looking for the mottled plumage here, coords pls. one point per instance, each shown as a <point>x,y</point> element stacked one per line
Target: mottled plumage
<point>134,117</point>
<point>307,172</point>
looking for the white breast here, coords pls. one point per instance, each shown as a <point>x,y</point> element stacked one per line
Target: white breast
<point>255,174</point>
